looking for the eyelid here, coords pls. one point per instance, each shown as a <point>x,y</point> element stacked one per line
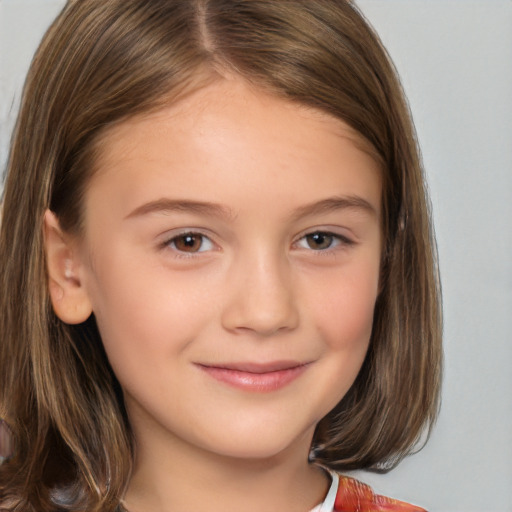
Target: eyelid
<point>343,240</point>
<point>166,240</point>
<point>169,239</point>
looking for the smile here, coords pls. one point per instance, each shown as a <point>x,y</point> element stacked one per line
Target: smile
<point>255,377</point>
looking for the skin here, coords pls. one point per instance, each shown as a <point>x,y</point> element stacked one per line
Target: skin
<point>258,281</point>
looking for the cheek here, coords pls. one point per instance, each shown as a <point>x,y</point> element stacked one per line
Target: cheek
<point>142,315</point>
<point>342,310</point>
<point>343,307</point>
<point>147,314</point>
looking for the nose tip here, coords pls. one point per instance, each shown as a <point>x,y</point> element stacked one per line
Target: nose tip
<point>262,303</point>
<point>266,320</point>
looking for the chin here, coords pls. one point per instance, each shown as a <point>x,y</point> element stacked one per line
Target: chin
<point>264,444</point>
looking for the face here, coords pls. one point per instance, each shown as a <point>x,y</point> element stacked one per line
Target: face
<point>231,256</point>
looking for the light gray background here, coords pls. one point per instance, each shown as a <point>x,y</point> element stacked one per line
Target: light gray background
<point>455,60</point>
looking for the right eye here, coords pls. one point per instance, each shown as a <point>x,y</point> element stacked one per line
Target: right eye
<point>190,243</point>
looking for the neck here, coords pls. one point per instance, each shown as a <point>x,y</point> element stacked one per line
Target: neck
<point>174,476</point>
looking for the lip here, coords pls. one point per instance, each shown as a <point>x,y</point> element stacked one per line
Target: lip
<point>255,377</point>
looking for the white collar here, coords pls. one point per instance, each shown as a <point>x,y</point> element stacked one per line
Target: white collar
<point>328,503</point>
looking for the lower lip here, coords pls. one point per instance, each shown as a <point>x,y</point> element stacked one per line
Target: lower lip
<point>256,382</point>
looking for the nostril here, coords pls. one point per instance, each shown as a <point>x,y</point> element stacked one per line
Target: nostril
<point>262,329</point>
<point>264,316</point>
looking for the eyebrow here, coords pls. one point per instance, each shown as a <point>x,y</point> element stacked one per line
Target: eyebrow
<point>331,204</point>
<point>165,205</point>
<point>336,203</point>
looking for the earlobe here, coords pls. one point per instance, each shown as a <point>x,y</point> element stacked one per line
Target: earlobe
<point>69,297</point>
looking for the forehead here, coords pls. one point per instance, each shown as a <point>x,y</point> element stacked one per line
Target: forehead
<point>232,133</point>
<point>206,106</point>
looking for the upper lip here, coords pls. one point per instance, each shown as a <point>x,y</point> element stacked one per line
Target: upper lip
<point>252,367</point>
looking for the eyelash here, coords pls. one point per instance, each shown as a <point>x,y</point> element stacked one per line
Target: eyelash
<point>336,242</point>
<point>171,243</point>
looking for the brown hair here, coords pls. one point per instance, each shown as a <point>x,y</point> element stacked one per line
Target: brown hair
<point>104,61</point>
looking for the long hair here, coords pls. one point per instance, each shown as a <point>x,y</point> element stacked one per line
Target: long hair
<point>102,62</point>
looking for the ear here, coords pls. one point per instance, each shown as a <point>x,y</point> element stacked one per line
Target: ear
<point>70,299</point>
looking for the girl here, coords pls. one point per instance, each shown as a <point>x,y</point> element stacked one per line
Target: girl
<point>217,263</point>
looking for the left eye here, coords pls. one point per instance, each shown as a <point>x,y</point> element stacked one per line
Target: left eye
<point>319,241</point>
<point>190,242</point>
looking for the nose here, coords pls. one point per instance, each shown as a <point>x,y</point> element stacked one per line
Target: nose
<point>262,298</point>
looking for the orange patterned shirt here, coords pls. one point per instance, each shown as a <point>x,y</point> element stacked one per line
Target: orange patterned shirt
<point>354,496</point>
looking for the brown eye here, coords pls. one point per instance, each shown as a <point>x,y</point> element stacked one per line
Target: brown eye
<point>190,242</point>
<point>319,241</point>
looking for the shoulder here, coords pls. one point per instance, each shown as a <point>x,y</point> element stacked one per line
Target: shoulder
<point>354,496</point>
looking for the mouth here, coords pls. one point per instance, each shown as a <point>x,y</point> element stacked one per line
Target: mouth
<point>255,377</point>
